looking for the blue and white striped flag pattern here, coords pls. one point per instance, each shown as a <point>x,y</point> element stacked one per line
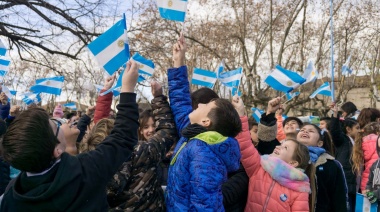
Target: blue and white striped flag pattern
<point>310,73</point>
<point>323,90</point>
<point>174,10</point>
<point>290,96</point>
<point>13,92</point>
<point>235,91</point>
<point>71,105</point>
<point>7,92</point>
<point>363,204</point>
<point>284,80</point>
<point>119,83</point>
<point>4,67</point>
<point>145,66</point>
<point>30,98</point>
<point>231,78</point>
<point>52,85</point>
<point>203,78</point>
<point>111,49</point>
<point>3,48</point>
<point>257,114</point>
<point>220,69</point>
<point>346,68</point>
<point>116,91</point>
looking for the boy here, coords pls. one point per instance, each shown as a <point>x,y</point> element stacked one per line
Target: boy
<point>324,123</point>
<point>206,152</point>
<point>52,180</point>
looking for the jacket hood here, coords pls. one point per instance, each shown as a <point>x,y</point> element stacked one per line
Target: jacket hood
<point>226,148</point>
<point>55,188</point>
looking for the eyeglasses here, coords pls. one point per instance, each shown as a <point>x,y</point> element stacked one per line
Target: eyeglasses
<point>59,124</point>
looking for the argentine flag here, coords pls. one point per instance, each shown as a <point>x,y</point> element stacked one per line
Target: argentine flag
<point>3,49</point>
<point>52,85</point>
<point>4,67</point>
<point>323,90</point>
<point>231,78</point>
<point>111,49</point>
<point>257,114</point>
<point>7,92</point>
<point>203,78</point>
<point>116,92</point>
<point>30,98</point>
<point>174,10</point>
<point>71,105</point>
<point>290,96</point>
<point>345,68</point>
<point>284,80</point>
<point>220,69</point>
<point>310,73</point>
<point>235,91</point>
<point>119,84</point>
<point>145,66</point>
<point>363,204</point>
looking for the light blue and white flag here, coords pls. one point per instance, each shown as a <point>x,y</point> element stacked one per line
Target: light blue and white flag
<point>310,73</point>
<point>174,10</point>
<point>119,83</point>
<point>3,48</point>
<point>231,78</point>
<point>323,90</point>
<point>52,85</point>
<point>30,98</point>
<point>235,91</point>
<point>220,69</point>
<point>346,68</point>
<point>13,92</point>
<point>203,78</point>
<point>145,66</point>
<point>284,80</point>
<point>111,49</point>
<point>363,204</point>
<point>116,91</point>
<point>7,92</point>
<point>290,96</point>
<point>257,114</point>
<point>71,105</point>
<point>4,67</point>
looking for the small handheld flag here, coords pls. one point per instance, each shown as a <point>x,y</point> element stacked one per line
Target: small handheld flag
<point>71,105</point>
<point>346,68</point>
<point>30,98</point>
<point>310,73</point>
<point>257,114</point>
<point>203,78</point>
<point>52,85</point>
<point>7,92</point>
<point>145,66</point>
<point>324,89</point>
<point>220,69</point>
<point>290,96</point>
<point>4,67</point>
<point>284,80</point>
<point>119,83</point>
<point>231,78</point>
<point>174,10</point>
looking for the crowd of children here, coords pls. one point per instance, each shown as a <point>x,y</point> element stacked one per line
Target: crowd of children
<point>189,152</point>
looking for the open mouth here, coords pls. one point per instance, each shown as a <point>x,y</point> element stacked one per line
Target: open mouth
<point>305,136</point>
<point>276,152</point>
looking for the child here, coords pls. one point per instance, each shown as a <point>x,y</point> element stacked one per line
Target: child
<point>207,150</point>
<point>331,184</point>
<point>365,151</point>
<point>324,123</point>
<point>373,185</point>
<point>147,125</point>
<point>253,128</point>
<point>52,180</point>
<point>280,181</point>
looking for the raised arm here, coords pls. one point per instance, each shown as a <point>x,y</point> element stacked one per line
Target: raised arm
<point>103,103</point>
<point>336,132</point>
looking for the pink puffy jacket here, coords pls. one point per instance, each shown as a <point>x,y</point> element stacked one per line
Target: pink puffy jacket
<point>370,156</point>
<point>264,193</point>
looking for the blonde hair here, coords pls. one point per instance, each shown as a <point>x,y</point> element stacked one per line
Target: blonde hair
<point>97,134</point>
<point>357,156</point>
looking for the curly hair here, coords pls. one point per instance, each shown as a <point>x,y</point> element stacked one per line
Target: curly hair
<point>97,134</point>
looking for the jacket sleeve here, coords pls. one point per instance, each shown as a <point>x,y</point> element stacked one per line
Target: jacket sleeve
<point>301,203</point>
<point>4,110</point>
<point>4,175</point>
<point>339,197</point>
<point>336,132</point>
<point>280,130</point>
<point>83,122</point>
<point>370,178</point>
<point>267,129</point>
<point>103,106</point>
<point>250,157</point>
<point>116,148</point>
<point>179,95</point>
<point>235,188</point>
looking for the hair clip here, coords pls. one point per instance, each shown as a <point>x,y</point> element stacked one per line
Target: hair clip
<point>309,161</point>
<point>323,131</point>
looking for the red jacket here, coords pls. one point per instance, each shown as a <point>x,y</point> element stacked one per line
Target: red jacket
<point>370,156</point>
<point>265,193</point>
<point>103,106</point>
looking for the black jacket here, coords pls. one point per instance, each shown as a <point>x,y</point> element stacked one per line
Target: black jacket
<point>331,195</point>
<point>4,175</point>
<point>83,122</point>
<point>267,132</point>
<point>235,191</point>
<point>343,151</point>
<point>78,183</point>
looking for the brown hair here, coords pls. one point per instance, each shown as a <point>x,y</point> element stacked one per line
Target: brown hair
<point>143,120</point>
<point>368,115</point>
<point>326,138</point>
<point>302,156</point>
<point>357,152</point>
<point>97,134</point>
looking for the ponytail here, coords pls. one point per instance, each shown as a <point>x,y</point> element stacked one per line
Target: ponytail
<point>310,172</point>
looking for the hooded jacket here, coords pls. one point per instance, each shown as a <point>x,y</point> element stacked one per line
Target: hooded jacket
<point>273,184</point>
<point>78,183</point>
<point>370,156</point>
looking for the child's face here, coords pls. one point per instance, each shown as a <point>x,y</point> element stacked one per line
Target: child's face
<point>309,136</point>
<point>148,129</point>
<point>352,132</point>
<point>285,151</point>
<point>199,115</point>
<point>291,127</point>
<point>254,135</point>
<point>322,125</point>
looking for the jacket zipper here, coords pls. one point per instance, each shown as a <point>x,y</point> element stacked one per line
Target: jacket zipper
<point>268,196</point>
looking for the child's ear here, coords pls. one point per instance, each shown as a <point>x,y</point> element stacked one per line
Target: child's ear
<point>320,143</point>
<point>294,163</point>
<point>206,122</point>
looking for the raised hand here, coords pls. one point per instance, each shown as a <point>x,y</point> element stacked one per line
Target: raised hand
<point>274,105</point>
<point>179,51</point>
<point>14,111</point>
<point>238,104</point>
<point>90,110</point>
<point>108,83</point>
<point>334,108</point>
<point>130,76</point>
<point>156,89</point>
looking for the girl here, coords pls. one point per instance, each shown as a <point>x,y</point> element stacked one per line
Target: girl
<point>349,110</point>
<point>368,115</point>
<point>280,181</point>
<point>365,151</point>
<point>332,194</point>
<point>147,125</point>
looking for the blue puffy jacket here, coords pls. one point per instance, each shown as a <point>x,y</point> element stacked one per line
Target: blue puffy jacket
<point>4,110</point>
<point>200,165</point>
